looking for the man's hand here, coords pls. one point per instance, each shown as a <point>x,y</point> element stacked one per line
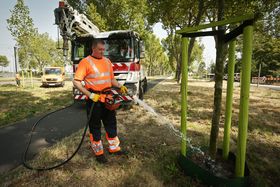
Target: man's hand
<point>123,89</point>
<point>94,97</point>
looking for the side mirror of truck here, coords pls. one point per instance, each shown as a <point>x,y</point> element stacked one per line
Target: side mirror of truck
<point>142,49</point>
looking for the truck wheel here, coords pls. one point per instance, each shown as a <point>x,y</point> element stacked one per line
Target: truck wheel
<point>140,94</point>
<point>145,84</point>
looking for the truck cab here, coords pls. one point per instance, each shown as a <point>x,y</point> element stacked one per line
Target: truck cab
<point>125,50</point>
<point>53,76</point>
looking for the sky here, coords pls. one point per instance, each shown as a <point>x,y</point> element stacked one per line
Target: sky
<point>41,11</point>
<point>209,53</point>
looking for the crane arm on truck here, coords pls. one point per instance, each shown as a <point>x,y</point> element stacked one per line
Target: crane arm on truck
<point>72,24</point>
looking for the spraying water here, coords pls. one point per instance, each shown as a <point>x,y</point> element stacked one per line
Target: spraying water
<point>208,161</point>
<point>161,119</point>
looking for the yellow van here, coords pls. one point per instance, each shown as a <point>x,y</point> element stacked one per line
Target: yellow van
<point>53,76</point>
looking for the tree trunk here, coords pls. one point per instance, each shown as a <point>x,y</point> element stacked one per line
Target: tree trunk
<point>178,71</point>
<point>219,71</point>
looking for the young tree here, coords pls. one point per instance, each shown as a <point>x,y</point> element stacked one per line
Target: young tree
<point>35,50</point>
<point>223,10</point>
<point>219,72</point>
<point>21,26</point>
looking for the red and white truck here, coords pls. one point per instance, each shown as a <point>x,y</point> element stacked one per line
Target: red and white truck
<point>124,48</point>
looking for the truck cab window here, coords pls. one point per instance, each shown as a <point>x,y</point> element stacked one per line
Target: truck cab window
<point>119,49</point>
<point>136,48</point>
<point>79,51</point>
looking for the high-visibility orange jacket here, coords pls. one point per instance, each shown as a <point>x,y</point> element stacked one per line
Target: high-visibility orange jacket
<point>96,73</point>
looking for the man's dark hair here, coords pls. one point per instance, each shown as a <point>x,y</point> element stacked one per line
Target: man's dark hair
<point>97,41</point>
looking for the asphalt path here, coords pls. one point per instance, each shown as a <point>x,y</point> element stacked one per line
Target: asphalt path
<point>273,87</point>
<point>13,138</point>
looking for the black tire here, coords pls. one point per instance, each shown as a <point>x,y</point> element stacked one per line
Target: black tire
<point>140,94</point>
<point>145,85</point>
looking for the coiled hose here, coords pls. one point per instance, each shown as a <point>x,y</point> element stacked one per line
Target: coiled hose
<point>24,158</point>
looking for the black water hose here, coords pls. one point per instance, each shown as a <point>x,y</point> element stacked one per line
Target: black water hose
<point>24,158</point>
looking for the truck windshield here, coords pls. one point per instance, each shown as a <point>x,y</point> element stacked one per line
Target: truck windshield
<point>118,50</point>
<point>52,71</point>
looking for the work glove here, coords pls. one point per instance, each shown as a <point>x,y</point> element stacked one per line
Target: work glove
<point>123,89</point>
<point>94,97</point>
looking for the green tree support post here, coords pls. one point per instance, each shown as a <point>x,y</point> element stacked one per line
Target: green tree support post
<point>244,100</point>
<point>184,92</point>
<point>228,114</point>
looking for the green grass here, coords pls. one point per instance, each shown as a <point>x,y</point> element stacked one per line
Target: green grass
<point>153,148</point>
<point>21,103</point>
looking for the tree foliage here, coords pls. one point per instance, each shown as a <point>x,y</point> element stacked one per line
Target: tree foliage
<point>266,52</point>
<point>20,24</point>
<point>4,62</point>
<point>156,60</point>
<point>172,46</point>
<point>35,50</point>
<point>266,40</point>
<point>40,52</point>
<point>173,49</point>
<point>118,14</point>
<point>177,14</point>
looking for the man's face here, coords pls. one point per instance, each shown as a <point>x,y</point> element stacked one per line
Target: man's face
<point>98,51</point>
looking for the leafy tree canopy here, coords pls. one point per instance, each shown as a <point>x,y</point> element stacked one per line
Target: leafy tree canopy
<point>4,62</point>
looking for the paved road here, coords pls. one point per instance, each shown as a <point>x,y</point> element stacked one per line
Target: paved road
<point>13,82</point>
<point>153,82</point>
<point>273,87</point>
<point>13,138</point>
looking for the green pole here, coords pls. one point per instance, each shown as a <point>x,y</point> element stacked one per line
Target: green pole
<point>184,82</point>
<point>228,114</point>
<point>244,100</point>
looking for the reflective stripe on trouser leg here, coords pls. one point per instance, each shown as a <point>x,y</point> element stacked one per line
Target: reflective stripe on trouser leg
<point>113,144</point>
<point>96,146</point>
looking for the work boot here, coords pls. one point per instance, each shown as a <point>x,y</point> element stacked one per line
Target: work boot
<point>114,144</point>
<point>101,159</point>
